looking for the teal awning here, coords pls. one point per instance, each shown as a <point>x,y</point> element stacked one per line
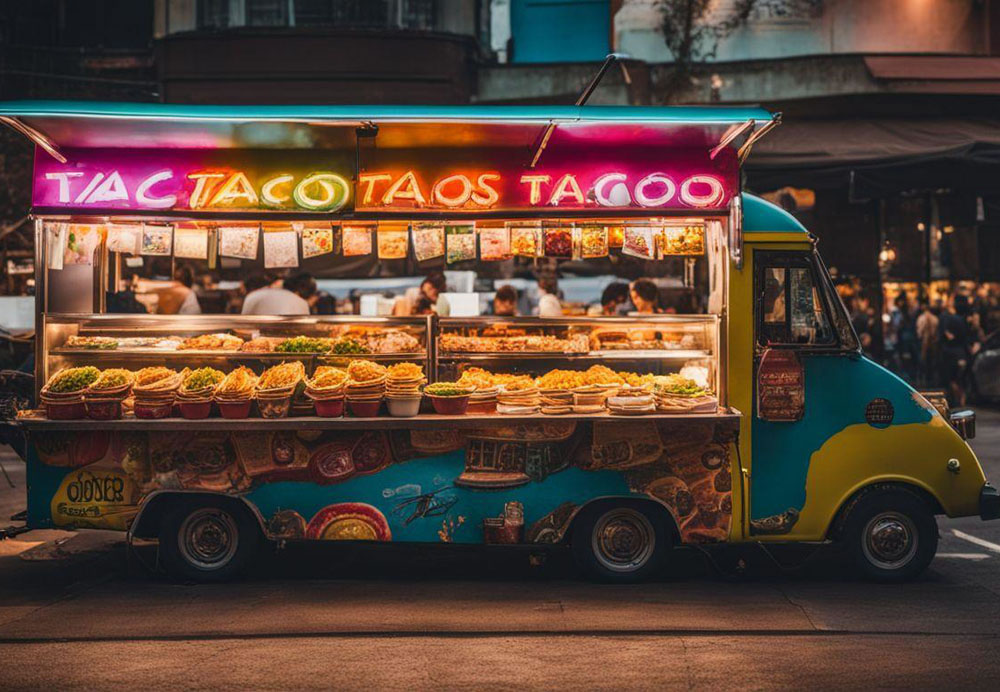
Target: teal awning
<point>154,125</point>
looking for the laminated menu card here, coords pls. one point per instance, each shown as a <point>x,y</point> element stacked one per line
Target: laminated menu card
<point>428,242</point>
<point>638,242</point>
<point>281,249</point>
<point>460,243</point>
<point>124,238</point>
<point>593,241</point>
<point>357,240</point>
<point>526,241</point>
<point>316,241</point>
<point>156,240</point>
<point>239,241</point>
<point>393,241</point>
<point>81,241</point>
<point>191,243</point>
<point>558,242</point>
<point>494,244</point>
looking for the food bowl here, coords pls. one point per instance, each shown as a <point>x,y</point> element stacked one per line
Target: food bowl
<point>152,409</point>
<point>404,407</point>
<point>450,405</point>
<point>65,410</point>
<point>195,410</point>
<point>364,408</point>
<point>234,409</point>
<point>329,408</point>
<point>103,409</point>
<point>482,408</point>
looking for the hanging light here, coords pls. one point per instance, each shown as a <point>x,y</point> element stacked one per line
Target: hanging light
<point>887,255</point>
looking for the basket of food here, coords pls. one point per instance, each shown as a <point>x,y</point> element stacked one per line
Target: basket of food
<point>365,388</point>
<point>483,400</point>
<point>234,394</point>
<point>676,394</point>
<point>62,395</point>
<point>449,398</point>
<point>402,389</point>
<point>155,389</point>
<point>276,387</point>
<point>326,389</point>
<point>197,391</point>
<point>103,399</point>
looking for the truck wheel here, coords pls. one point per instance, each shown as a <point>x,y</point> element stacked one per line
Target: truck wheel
<point>891,535</point>
<point>616,542</point>
<point>206,541</point>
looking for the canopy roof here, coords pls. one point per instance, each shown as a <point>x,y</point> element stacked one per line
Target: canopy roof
<point>157,125</point>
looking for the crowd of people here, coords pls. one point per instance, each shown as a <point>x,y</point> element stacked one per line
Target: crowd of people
<point>932,343</point>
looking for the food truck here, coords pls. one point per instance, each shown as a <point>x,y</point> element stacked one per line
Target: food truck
<point>746,414</point>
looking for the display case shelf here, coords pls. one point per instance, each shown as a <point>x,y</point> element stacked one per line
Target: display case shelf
<point>665,354</point>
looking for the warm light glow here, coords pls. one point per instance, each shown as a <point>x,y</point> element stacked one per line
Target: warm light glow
<point>369,180</point>
<point>714,197</point>
<point>329,184</point>
<point>406,187</point>
<point>535,181</point>
<point>143,197</point>
<point>655,179</point>
<point>268,194</point>
<point>603,196</point>
<point>486,195</point>
<point>201,187</point>
<point>567,187</point>
<point>236,188</point>
<point>439,195</point>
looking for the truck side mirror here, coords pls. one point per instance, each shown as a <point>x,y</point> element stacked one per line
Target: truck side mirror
<point>964,422</point>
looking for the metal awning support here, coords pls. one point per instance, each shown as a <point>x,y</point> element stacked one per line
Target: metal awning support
<point>731,134</point>
<point>581,100</point>
<point>35,136</point>
<point>744,151</point>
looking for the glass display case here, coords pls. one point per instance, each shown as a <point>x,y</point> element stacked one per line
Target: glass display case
<point>227,341</point>
<point>648,344</point>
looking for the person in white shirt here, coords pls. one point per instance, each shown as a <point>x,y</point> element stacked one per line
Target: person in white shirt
<point>272,300</point>
<point>548,302</point>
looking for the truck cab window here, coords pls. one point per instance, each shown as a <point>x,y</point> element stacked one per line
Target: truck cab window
<point>791,309</point>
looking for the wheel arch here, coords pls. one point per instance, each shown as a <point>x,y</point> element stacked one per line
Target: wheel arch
<point>641,500</point>
<point>147,521</point>
<point>844,509</point>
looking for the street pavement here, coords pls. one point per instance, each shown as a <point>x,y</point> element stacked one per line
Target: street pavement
<point>78,611</point>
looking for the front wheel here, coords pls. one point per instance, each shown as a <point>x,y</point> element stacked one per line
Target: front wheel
<point>891,535</point>
<point>619,542</point>
<point>205,541</point>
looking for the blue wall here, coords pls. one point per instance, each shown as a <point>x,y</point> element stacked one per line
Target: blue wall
<point>560,30</point>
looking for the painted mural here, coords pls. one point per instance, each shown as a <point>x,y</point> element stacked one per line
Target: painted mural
<point>502,483</point>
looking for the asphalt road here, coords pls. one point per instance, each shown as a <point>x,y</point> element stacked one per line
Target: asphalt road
<point>77,612</point>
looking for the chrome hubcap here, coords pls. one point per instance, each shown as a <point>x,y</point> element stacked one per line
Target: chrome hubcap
<point>890,540</point>
<point>623,540</point>
<point>208,538</point>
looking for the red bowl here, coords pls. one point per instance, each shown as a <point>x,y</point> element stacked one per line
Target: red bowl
<point>148,411</point>
<point>329,408</point>
<point>104,410</point>
<point>364,409</point>
<point>450,405</point>
<point>235,409</point>
<point>195,410</point>
<point>70,411</point>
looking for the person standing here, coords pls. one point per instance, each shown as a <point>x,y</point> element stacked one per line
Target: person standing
<point>614,296</point>
<point>954,338</point>
<point>927,328</point>
<point>548,301</point>
<point>179,298</point>
<point>645,297</point>
<point>505,301</point>
<point>273,300</point>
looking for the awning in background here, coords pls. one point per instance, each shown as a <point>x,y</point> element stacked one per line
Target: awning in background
<point>880,156</point>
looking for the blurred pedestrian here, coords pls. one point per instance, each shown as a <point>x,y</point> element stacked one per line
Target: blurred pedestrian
<point>927,331</point>
<point>645,297</point>
<point>548,301</point>
<point>505,301</point>
<point>613,298</point>
<point>955,342</point>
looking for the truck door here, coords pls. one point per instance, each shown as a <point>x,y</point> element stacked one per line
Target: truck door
<point>802,335</point>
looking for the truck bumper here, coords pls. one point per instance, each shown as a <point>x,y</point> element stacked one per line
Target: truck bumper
<point>989,503</point>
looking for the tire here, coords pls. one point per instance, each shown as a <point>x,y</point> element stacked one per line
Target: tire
<point>891,535</point>
<point>620,542</point>
<point>208,540</point>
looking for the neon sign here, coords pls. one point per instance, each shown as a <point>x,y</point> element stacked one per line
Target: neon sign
<point>224,181</point>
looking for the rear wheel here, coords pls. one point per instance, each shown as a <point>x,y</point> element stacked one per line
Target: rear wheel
<point>206,541</point>
<point>617,542</point>
<point>891,535</point>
